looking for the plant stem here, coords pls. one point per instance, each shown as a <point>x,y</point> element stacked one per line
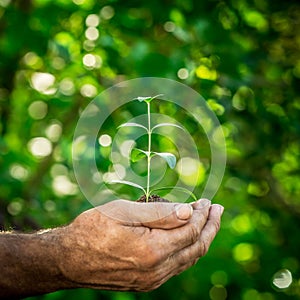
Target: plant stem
<point>149,153</point>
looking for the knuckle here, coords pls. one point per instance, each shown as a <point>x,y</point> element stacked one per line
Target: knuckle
<point>193,262</point>
<point>152,281</point>
<point>157,284</point>
<point>186,265</point>
<point>151,258</point>
<point>217,225</point>
<point>159,279</point>
<point>194,234</point>
<point>150,288</point>
<point>203,248</point>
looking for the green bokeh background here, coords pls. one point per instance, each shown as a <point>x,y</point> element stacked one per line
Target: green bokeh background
<point>242,56</point>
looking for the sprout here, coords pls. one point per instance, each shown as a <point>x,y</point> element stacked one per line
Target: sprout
<point>137,154</point>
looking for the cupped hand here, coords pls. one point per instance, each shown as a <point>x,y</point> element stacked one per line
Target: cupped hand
<point>126,245</point>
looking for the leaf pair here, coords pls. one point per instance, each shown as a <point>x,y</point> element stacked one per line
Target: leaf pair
<point>180,189</point>
<point>137,154</point>
<point>147,99</point>
<point>132,124</point>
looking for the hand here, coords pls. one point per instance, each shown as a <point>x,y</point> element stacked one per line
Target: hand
<point>126,245</point>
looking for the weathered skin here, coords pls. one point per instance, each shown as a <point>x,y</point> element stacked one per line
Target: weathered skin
<point>136,250</point>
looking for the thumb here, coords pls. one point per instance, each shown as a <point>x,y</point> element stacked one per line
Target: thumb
<point>161,215</point>
<point>167,215</point>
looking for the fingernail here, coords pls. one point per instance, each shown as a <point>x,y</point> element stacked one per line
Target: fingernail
<point>221,209</point>
<point>184,211</point>
<point>204,202</point>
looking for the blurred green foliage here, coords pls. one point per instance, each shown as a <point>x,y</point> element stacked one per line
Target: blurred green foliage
<point>241,55</point>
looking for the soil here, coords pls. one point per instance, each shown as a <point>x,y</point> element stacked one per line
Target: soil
<point>152,198</point>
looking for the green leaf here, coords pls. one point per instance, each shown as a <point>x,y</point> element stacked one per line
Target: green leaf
<point>137,154</point>
<point>132,125</point>
<point>181,189</point>
<point>128,183</point>
<point>166,125</point>
<point>147,99</point>
<point>168,157</point>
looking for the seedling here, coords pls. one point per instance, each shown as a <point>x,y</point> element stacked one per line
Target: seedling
<point>137,154</point>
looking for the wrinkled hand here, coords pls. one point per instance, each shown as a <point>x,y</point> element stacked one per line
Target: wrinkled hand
<point>126,245</point>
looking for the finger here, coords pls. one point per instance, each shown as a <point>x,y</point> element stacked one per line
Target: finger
<point>201,203</point>
<point>192,253</point>
<point>160,215</point>
<point>167,215</point>
<point>174,240</point>
<point>212,226</point>
<point>185,258</point>
<point>173,268</point>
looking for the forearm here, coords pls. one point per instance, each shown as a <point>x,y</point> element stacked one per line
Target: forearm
<point>29,264</point>
<point>102,252</point>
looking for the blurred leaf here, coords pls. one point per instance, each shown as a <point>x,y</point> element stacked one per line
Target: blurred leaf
<point>242,56</point>
<point>137,154</point>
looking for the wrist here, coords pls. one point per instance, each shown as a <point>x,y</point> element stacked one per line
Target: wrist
<point>80,246</point>
<point>32,264</point>
<point>51,255</point>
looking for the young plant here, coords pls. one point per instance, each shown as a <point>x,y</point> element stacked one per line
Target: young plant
<point>137,154</point>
